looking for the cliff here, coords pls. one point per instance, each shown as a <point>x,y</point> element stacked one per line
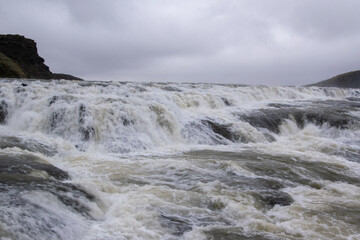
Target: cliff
<point>19,58</point>
<point>345,80</point>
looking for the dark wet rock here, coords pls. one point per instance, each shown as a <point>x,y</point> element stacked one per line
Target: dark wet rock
<point>56,118</point>
<point>250,183</point>
<point>63,190</point>
<point>126,121</point>
<point>323,113</point>
<point>263,183</point>
<point>3,111</point>
<point>210,132</point>
<point>272,198</point>
<point>176,224</point>
<point>333,118</point>
<point>82,113</point>
<point>69,194</point>
<point>85,129</point>
<point>53,100</point>
<point>269,137</point>
<point>24,84</point>
<point>223,130</point>
<point>15,176</point>
<point>26,144</point>
<point>226,101</point>
<point>25,164</point>
<point>268,119</point>
<point>86,133</point>
<point>215,205</point>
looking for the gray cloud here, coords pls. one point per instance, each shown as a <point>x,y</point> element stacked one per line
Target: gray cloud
<point>235,41</point>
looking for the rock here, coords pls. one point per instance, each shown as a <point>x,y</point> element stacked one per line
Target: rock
<point>271,119</point>
<point>24,51</point>
<point>85,129</point>
<point>265,118</point>
<point>16,176</point>
<point>221,129</point>
<point>25,164</point>
<point>31,145</point>
<point>56,118</point>
<point>226,101</point>
<point>19,58</point>
<point>126,121</point>
<point>53,100</point>
<point>3,111</point>
<point>272,198</point>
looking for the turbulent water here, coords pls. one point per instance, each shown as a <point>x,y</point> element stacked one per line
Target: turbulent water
<point>101,160</point>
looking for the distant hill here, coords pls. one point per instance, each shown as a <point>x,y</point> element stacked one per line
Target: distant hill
<point>345,80</point>
<point>19,58</point>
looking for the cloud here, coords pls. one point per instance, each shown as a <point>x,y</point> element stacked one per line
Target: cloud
<point>236,41</point>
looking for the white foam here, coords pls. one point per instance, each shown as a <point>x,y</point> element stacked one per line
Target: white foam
<point>141,160</point>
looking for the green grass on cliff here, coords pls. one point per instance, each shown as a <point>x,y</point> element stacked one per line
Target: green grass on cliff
<point>9,68</point>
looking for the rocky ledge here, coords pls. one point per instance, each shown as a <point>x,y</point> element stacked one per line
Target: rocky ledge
<point>19,58</point>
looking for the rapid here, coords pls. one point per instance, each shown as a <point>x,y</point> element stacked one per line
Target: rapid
<point>124,160</point>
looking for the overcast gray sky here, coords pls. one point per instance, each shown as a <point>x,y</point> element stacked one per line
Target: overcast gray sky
<point>272,42</point>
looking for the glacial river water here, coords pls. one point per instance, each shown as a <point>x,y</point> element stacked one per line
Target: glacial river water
<point>122,160</point>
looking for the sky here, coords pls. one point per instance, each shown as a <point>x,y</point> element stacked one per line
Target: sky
<point>269,42</point>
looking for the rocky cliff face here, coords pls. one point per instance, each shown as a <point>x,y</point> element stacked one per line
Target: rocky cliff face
<point>345,80</point>
<point>19,58</point>
<point>9,68</point>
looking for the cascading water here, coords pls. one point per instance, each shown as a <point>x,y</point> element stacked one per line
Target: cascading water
<point>114,160</point>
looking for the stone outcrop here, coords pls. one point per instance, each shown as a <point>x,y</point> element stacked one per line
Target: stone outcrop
<point>19,58</point>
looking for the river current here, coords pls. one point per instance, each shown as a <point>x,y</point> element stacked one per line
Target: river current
<point>123,160</point>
